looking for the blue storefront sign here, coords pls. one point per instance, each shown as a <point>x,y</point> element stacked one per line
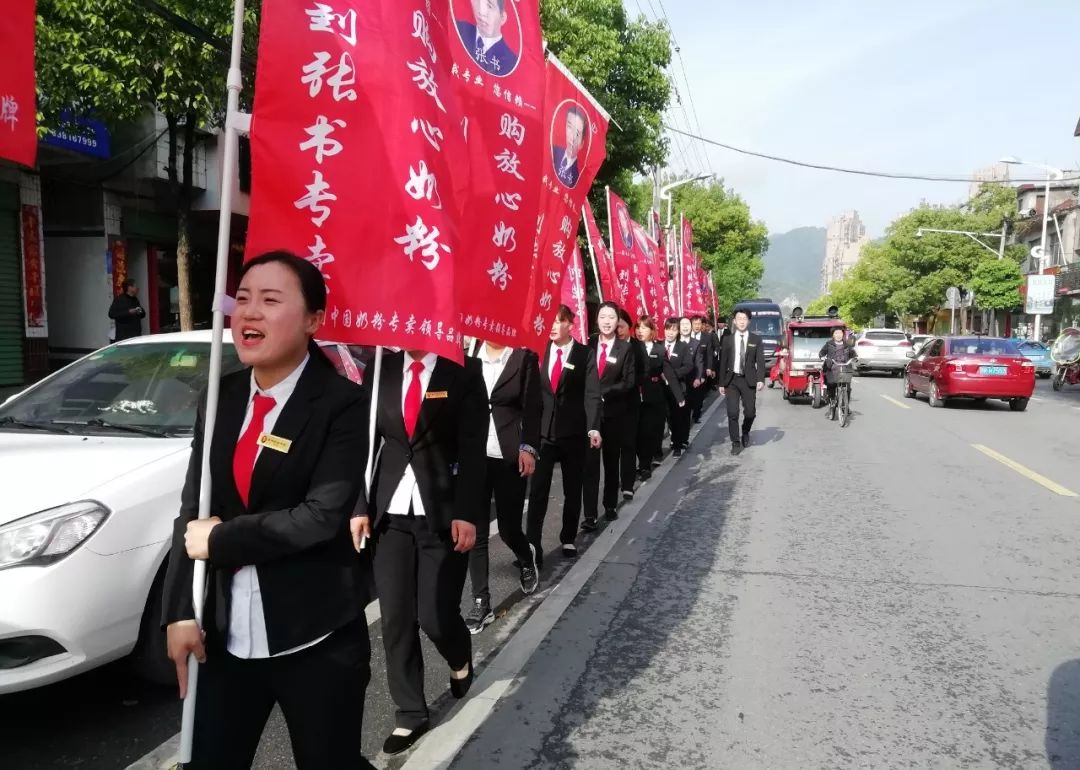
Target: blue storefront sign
<point>82,135</point>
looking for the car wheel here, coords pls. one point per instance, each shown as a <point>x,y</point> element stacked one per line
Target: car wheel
<point>1059,380</point>
<point>1044,375</point>
<point>815,397</point>
<point>909,392</point>
<point>149,658</point>
<point>1018,404</point>
<point>935,396</point>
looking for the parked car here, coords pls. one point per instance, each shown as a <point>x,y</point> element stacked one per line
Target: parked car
<point>978,368</point>
<point>1038,354</point>
<point>882,350</point>
<point>918,340</point>
<point>92,461</point>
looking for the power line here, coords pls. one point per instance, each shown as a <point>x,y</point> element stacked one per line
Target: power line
<point>842,170</point>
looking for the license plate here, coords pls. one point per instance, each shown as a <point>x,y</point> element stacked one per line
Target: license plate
<point>994,370</point>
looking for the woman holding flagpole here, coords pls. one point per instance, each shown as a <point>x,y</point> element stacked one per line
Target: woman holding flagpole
<point>285,595</point>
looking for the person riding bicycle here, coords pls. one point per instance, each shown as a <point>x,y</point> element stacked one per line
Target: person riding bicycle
<point>834,352</point>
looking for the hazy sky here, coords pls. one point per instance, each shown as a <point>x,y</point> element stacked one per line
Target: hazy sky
<point>939,87</point>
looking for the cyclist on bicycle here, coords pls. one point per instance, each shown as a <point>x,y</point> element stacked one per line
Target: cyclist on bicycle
<point>836,351</point>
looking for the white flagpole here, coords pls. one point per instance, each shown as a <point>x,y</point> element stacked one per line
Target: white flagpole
<point>233,122</point>
<point>678,266</point>
<point>592,257</point>
<point>472,347</point>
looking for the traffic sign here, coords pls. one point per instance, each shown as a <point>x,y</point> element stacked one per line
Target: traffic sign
<point>952,298</point>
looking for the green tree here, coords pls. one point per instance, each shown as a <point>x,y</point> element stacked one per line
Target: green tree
<point>996,283</point>
<point>117,61</point>
<point>730,242</point>
<point>623,63</point>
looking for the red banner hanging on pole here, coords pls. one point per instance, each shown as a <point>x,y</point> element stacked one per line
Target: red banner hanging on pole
<point>605,264</point>
<point>573,296</point>
<point>691,301</point>
<point>360,165</point>
<point>575,145</point>
<point>18,105</point>
<point>621,227</point>
<point>653,271</point>
<point>498,74</point>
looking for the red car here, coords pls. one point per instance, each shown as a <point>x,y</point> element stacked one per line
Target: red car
<point>978,368</point>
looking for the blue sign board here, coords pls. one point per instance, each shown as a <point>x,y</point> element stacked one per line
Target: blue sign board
<point>82,135</point>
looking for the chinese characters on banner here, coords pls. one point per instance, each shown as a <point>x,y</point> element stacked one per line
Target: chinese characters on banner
<point>119,266</point>
<point>647,276</point>
<point>622,251</point>
<point>605,264</point>
<point>18,105</point>
<point>33,273</point>
<point>691,300</point>
<point>360,165</point>
<point>575,144</point>
<point>498,74</point>
<point>573,296</point>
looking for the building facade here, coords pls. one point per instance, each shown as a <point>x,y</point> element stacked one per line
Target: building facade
<point>844,239</point>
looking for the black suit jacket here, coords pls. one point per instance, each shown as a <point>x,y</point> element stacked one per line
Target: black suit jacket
<point>698,349</point>
<point>499,52</point>
<point>659,375</point>
<point>577,407</point>
<point>618,384</point>
<point>682,362</point>
<point>295,528</point>
<point>448,448</point>
<point>515,404</point>
<point>753,359</point>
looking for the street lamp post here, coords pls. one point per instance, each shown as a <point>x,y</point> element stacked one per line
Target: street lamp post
<point>1051,174</point>
<point>665,191</point>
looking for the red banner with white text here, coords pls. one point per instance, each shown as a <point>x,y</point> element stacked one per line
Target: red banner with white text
<point>498,74</point>
<point>621,228</point>
<point>360,164</point>
<point>605,264</point>
<point>575,145</point>
<point>18,105</point>
<point>573,296</point>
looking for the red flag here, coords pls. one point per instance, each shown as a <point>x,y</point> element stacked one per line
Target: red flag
<point>360,166</point>
<point>652,267</point>
<point>501,90</point>
<point>690,300</point>
<point>621,227</point>
<point>573,296</point>
<point>18,107</point>
<point>575,144</point>
<point>605,264</point>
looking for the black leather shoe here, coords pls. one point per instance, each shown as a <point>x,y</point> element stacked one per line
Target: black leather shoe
<point>745,440</point>
<point>569,550</point>
<point>610,514</point>
<point>736,448</point>
<point>395,744</point>
<point>460,687</point>
<point>589,524</point>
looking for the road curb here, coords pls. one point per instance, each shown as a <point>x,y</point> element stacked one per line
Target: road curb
<point>437,749</point>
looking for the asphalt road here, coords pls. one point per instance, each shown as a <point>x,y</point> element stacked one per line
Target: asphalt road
<point>902,593</point>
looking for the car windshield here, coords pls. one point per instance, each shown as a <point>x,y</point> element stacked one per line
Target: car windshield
<point>886,336</point>
<point>806,343</point>
<point>142,389</point>
<point>1033,347</point>
<point>982,346</point>
<point>765,325</point>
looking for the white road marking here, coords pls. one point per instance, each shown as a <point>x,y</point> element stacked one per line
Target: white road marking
<point>653,517</point>
<point>892,400</point>
<point>1038,478</point>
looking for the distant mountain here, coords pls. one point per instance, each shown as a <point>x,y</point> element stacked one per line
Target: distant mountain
<point>793,265</point>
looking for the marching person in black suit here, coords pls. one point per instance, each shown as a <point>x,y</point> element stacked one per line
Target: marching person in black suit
<point>512,378</point>
<point>284,615</point>
<point>712,366</point>
<point>569,426</point>
<point>682,361</point>
<point>695,395</point>
<point>659,385</point>
<point>616,367</point>
<point>432,420</point>
<point>742,372</point>
<point>632,424</point>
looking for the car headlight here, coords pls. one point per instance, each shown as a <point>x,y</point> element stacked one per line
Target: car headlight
<point>49,536</point>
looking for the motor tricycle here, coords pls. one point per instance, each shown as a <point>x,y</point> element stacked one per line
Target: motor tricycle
<point>800,367</point>
<point>1066,354</point>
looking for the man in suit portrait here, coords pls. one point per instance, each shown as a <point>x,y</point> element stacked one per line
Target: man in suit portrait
<point>742,375</point>
<point>626,231</point>
<point>432,424</point>
<point>567,168</point>
<point>484,40</point>
<point>569,426</point>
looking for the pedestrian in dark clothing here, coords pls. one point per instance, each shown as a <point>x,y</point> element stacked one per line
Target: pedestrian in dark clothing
<point>127,312</point>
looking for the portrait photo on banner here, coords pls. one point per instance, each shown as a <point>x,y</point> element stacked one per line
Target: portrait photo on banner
<point>490,31</point>
<point>571,140</point>
<point>626,230</point>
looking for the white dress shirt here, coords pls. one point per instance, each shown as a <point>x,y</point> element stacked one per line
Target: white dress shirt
<point>493,370</point>
<point>740,351</point>
<point>247,623</point>
<point>565,355</point>
<point>408,491</point>
<point>609,344</point>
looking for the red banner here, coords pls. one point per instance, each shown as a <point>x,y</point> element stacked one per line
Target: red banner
<point>652,266</point>
<point>498,74</point>
<point>575,145</point>
<point>360,166</point>
<point>33,273</point>
<point>573,296</point>
<point>605,264</point>
<point>119,266</point>
<point>691,301</point>
<point>18,106</point>
<point>621,228</point>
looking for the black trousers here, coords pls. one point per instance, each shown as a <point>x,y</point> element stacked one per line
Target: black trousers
<point>419,577</point>
<point>507,485</point>
<point>613,430</point>
<point>678,419</point>
<point>695,399</point>
<point>650,433</point>
<point>320,691</point>
<point>740,391</point>
<point>570,454</point>
<point>629,439</point>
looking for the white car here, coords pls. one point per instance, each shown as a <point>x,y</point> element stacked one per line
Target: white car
<point>882,350</point>
<point>92,461</point>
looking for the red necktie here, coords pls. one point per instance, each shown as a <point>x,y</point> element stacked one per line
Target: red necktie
<point>556,371</point>
<point>413,399</point>
<point>603,359</point>
<point>247,448</point>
